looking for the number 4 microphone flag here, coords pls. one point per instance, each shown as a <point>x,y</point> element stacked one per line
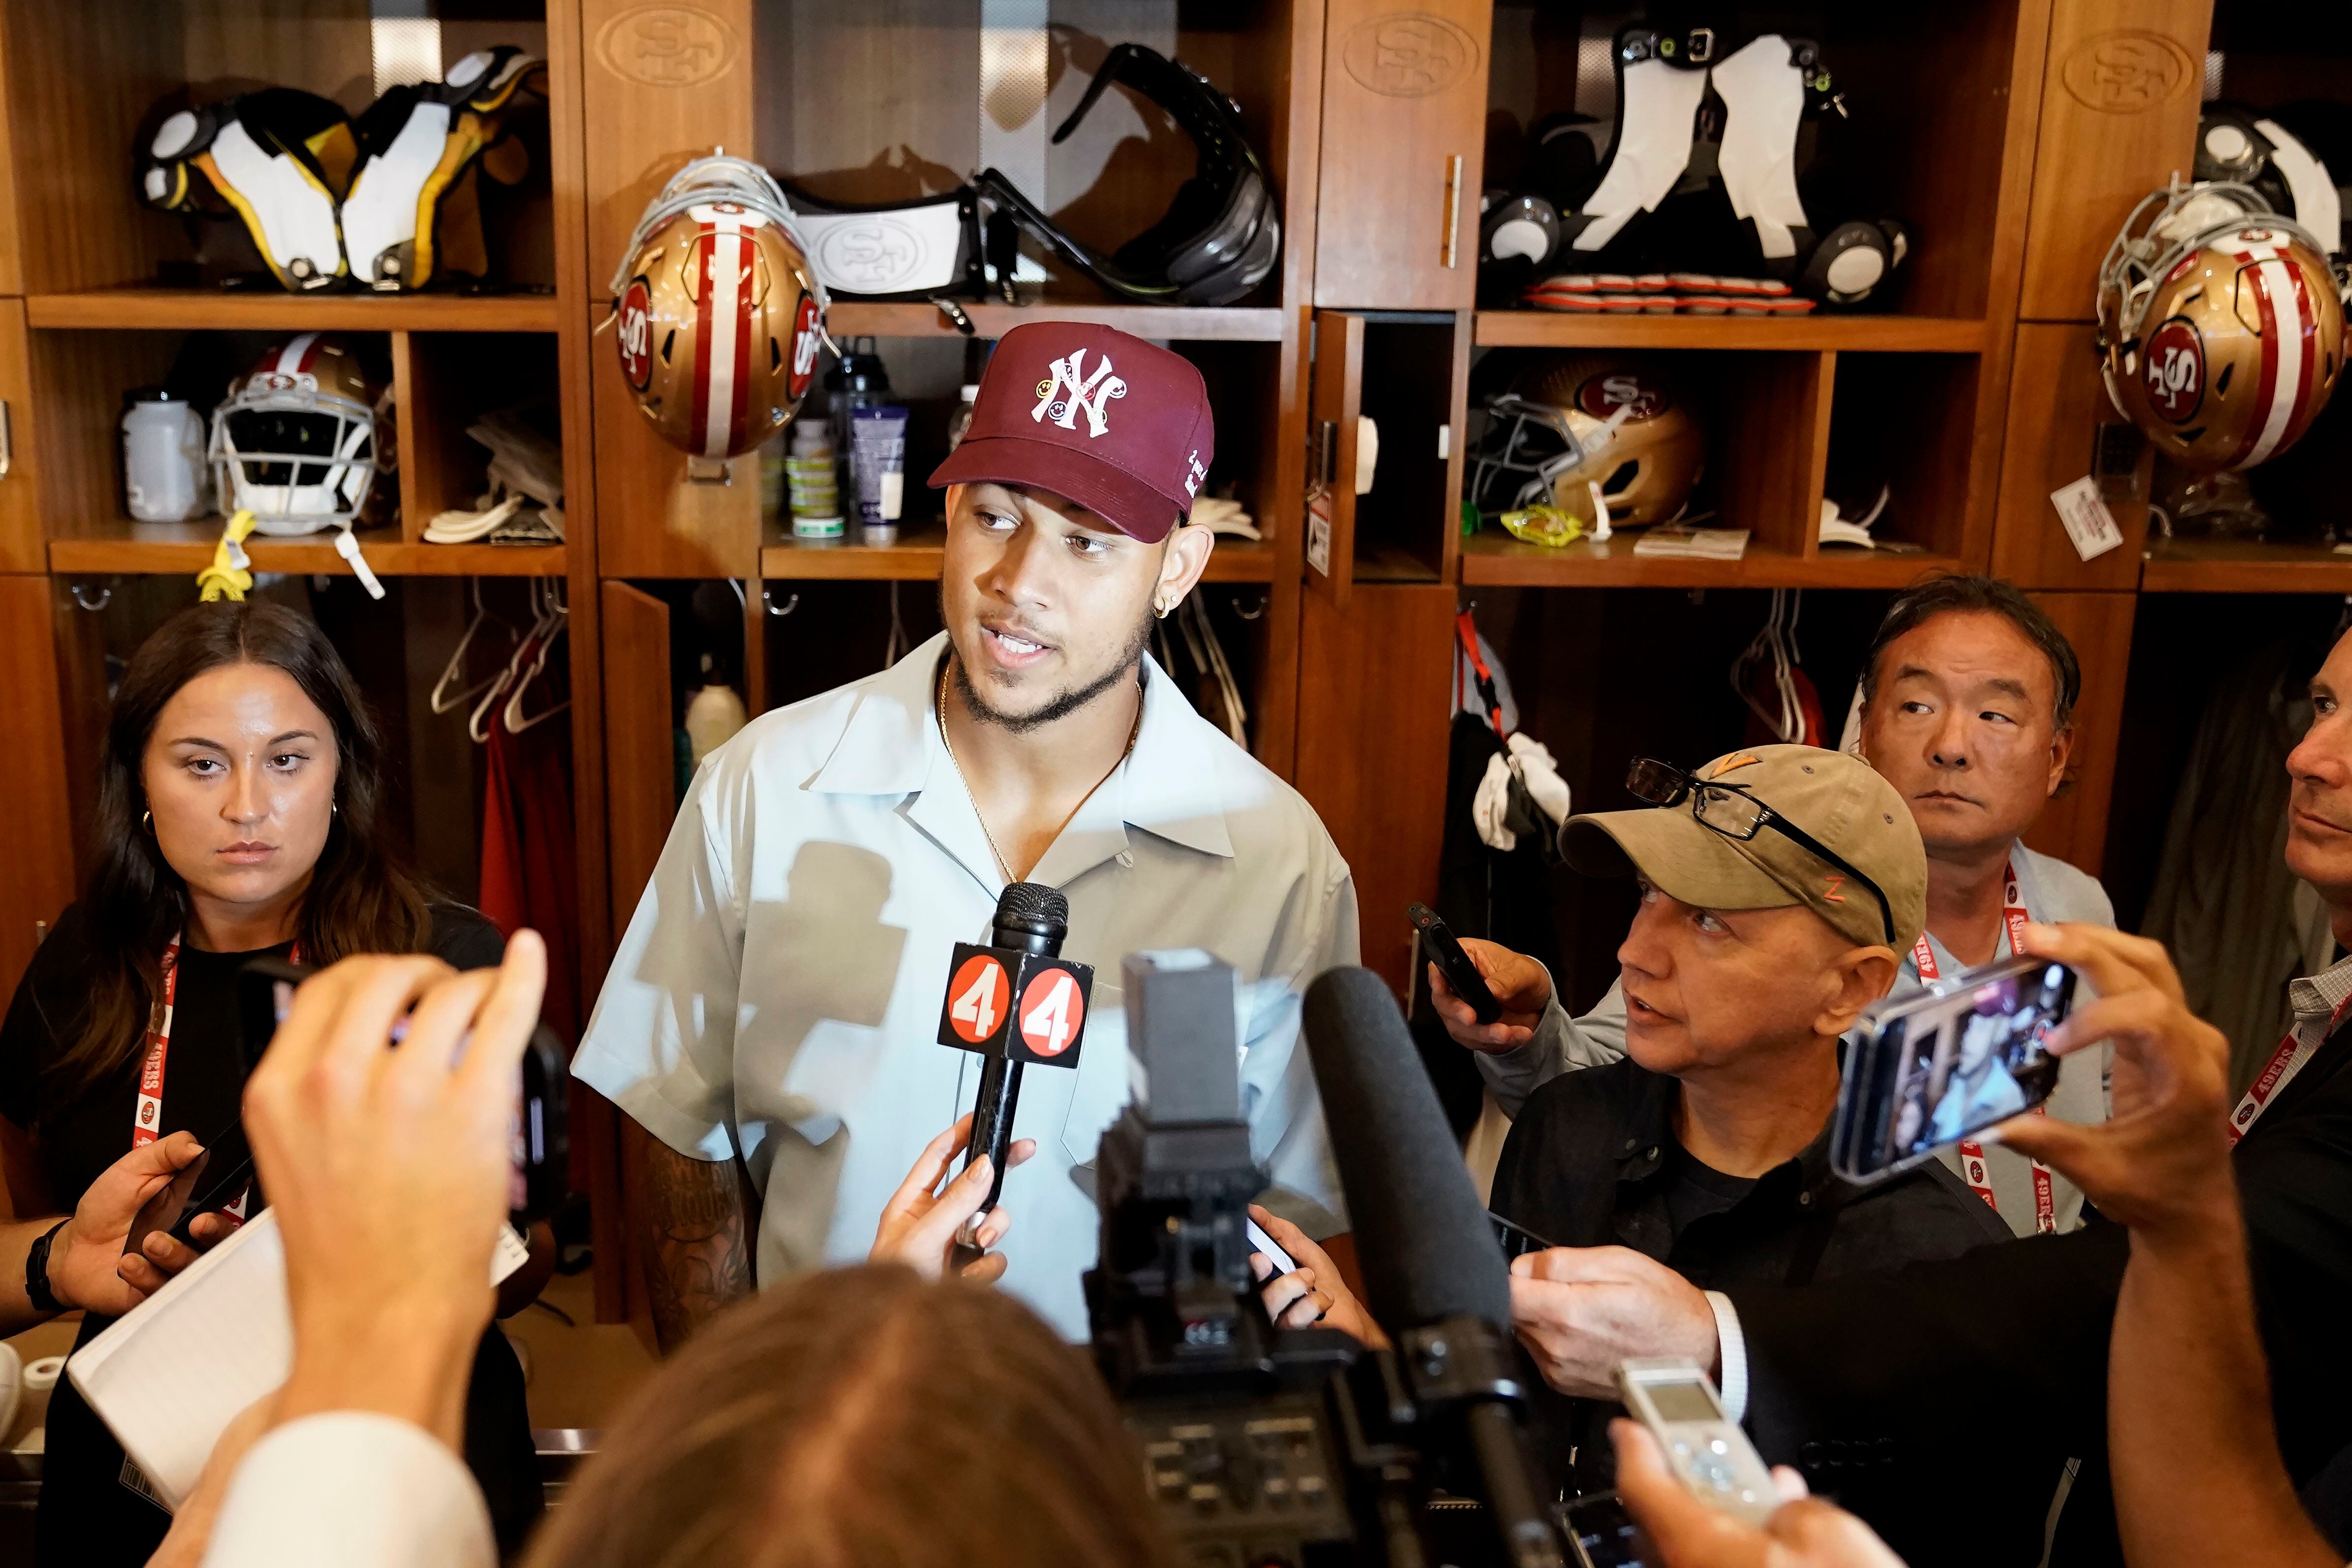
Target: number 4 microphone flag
<point>1044,1026</point>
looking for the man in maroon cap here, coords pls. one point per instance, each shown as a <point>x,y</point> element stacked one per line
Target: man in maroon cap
<point>775,1007</point>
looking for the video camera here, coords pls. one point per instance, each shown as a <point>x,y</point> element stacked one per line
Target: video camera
<point>1266,1445</point>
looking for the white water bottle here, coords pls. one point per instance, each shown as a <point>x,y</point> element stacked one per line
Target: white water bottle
<point>162,458</point>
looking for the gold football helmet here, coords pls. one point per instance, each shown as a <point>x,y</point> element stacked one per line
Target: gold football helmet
<point>2220,326</point>
<point>720,314</point>
<point>1571,421</point>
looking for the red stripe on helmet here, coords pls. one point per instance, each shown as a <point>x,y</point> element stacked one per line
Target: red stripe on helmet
<point>2309,322</point>
<point>2266,384</point>
<point>706,245</point>
<point>739,411</point>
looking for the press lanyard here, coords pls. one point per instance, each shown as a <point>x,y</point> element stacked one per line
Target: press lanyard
<point>2285,1064</point>
<point>1972,1155</point>
<point>147,1115</point>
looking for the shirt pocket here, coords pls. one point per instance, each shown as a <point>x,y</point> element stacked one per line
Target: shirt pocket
<point>1100,1092</point>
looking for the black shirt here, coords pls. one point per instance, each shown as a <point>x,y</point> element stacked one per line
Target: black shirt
<point>1592,1160</point>
<point>87,1518</point>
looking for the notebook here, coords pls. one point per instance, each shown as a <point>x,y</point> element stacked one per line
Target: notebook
<point>171,1375</point>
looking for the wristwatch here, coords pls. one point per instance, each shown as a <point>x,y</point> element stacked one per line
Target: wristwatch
<point>37,1272</point>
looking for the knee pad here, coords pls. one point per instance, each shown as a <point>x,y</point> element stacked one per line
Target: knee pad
<point>279,158</point>
<point>414,208</point>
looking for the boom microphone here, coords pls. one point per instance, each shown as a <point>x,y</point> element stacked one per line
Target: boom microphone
<point>1432,1266</point>
<point>1013,1002</point>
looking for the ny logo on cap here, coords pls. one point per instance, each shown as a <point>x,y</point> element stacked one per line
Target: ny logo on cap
<point>1084,392</point>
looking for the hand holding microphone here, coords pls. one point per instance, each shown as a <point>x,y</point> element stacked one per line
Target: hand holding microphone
<point>922,1222</point>
<point>1014,1003</point>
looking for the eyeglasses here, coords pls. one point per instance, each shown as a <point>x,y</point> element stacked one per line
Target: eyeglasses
<point>1734,813</point>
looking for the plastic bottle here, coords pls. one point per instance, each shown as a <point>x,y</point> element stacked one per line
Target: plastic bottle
<point>960,420</point>
<point>164,478</point>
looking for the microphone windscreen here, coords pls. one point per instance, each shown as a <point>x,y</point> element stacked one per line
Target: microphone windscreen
<point>1421,1235</point>
<point>1032,906</point>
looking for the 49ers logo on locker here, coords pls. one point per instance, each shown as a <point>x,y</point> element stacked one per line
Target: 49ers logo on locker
<point>2173,366</point>
<point>808,335</point>
<point>1603,395</point>
<point>634,334</point>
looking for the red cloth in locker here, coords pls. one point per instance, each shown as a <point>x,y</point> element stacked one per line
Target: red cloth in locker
<point>529,876</point>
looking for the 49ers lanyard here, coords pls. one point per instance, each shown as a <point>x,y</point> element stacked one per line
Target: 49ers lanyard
<point>2285,1064</point>
<point>1972,1155</point>
<point>147,1114</point>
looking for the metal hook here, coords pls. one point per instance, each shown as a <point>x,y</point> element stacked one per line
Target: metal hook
<point>105,597</point>
<point>1249,614</point>
<point>787,610</point>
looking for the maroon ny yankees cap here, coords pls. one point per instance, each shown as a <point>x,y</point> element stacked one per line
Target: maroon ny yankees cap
<point>1117,424</point>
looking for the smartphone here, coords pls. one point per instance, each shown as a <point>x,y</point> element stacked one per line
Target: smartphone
<point>1705,1449</point>
<point>1937,1066</point>
<point>1601,1532</point>
<point>1453,963</point>
<point>1261,1243</point>
<point>213,1180</point>
<point>1516,1240</point>
<point>542,1130</point>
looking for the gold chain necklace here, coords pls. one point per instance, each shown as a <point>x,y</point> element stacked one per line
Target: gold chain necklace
<point>940,712</point>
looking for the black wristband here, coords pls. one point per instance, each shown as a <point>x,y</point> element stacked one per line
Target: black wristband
<point>37,1272</point>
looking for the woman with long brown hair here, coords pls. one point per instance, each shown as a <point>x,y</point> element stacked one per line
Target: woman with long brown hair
<point>240,814</point>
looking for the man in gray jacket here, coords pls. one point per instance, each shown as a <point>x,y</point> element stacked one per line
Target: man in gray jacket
<point>1968,693</point>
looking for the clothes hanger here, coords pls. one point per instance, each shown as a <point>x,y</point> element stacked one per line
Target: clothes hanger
<point>478,724</point>
<point>550,629</point>
<point>443,699</point>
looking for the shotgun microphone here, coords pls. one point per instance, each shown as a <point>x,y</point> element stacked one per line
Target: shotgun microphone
<point>1431,1267</point>
<point>1016,1002</point>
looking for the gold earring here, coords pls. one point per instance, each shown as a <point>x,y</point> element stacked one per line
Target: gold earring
<point>147,822</point>
<point>1161,607</point>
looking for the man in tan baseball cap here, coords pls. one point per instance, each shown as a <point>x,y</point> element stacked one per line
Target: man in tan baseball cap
<point>1779,887</point>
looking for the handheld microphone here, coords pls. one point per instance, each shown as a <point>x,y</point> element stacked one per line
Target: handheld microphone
<point>1431,1267</point>
<point>1013,1002</point>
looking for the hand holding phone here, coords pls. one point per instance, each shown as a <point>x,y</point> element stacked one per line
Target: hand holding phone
<point>1940,1065</point>
<point>1461,974</point>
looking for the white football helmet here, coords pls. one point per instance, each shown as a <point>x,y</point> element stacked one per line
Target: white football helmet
<point>295,442</point>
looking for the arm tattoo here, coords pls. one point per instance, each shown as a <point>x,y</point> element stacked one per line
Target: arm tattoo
<point>697,1249</point>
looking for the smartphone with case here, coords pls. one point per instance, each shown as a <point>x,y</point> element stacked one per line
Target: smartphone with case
<point>541,1151</point>
<point>1438,940</point>
<point>1601,1532</point>
<point>1704,1448</point>
<point>1946,1062</point>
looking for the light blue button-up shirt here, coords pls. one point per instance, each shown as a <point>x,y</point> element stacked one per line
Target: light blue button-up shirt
<point>778,992</point>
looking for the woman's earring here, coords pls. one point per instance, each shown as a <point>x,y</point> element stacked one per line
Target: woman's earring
<point>146,821</point>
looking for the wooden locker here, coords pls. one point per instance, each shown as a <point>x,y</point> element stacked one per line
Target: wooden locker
<point>2057,405</point>
<point>1372,747</point>
<point>2074,827</point>
<point>1404,112</point>
<point>37,877</point>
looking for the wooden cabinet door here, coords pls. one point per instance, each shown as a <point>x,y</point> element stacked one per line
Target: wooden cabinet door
<point>1334,402</point>
<point>1372,736</point>
<point>2057,406</point>
<point>21,546</point>
<point>37,876</point>
<point>1404,115</point>
<point>2119,104</point>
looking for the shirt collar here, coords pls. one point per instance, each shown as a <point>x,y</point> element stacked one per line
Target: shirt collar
<point>2316,998</point>
<point>1169,786</point>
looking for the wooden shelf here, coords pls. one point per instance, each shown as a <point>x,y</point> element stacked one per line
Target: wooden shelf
<point>277,311</point>
<point>174,548</point>
<point>1859,334</point>
<point>916,557</point>
<point>2242,566</point>
<point>1186,323</point>
<point>1492,558</point>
